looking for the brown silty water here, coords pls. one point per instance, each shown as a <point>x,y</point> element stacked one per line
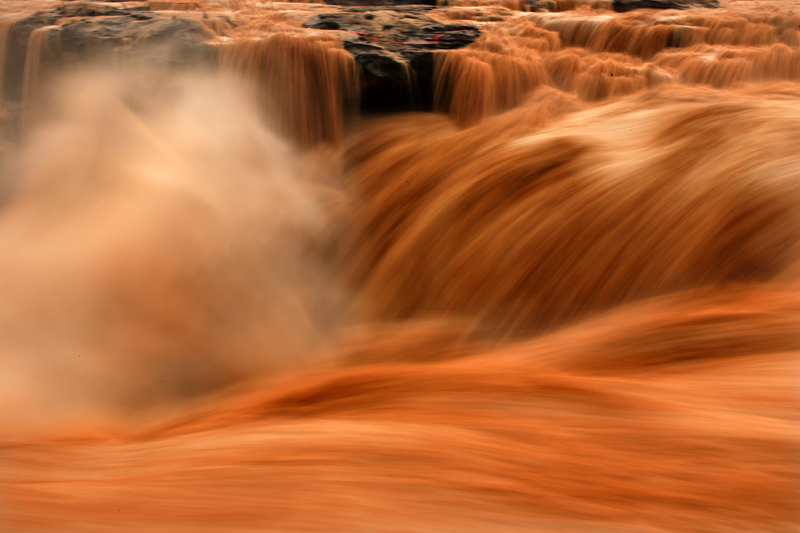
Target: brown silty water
<point>563,298</point>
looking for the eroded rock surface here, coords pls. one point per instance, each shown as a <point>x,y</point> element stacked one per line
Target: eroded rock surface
<point>90,31</point>
<point>164,39</point>
<point>394,48</point>
<point>628,5</point>
<point>393,45</point>
<point>388,3</point>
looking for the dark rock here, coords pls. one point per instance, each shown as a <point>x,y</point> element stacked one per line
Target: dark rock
<point>90,32</point>
<point>155,39</point>
<point>90,9</point>
<point>622,6</point>
<point>373,3</point>
<point>394,48</point>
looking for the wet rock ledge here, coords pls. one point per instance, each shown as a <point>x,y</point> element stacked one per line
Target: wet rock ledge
<point>394,44</point>
<point>393,41</point>
<point>94,32</point>
<point>394,49</point>
<point>621,6</point>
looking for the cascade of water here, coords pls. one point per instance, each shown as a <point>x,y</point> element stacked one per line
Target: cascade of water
<point>565,300</point>
<point>303,83</point>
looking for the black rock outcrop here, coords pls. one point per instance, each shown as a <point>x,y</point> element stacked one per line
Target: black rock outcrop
<point>394,48</point>
<point>622,6</point>
<point>90,31</point>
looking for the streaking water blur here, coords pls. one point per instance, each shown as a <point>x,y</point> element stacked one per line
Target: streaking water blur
<point>567,301</point>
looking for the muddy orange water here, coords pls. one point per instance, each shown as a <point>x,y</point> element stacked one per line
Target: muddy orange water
<point>566,300</point>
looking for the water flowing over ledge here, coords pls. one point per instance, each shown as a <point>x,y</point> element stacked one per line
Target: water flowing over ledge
<point>487,265</point>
